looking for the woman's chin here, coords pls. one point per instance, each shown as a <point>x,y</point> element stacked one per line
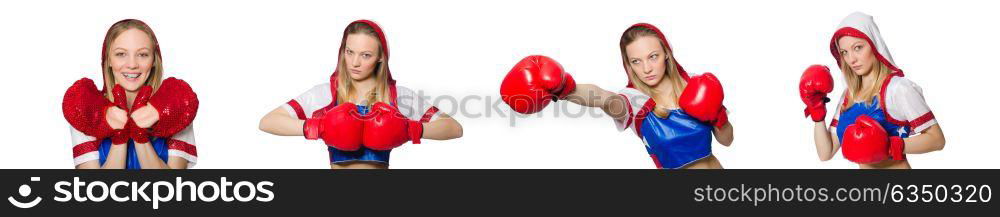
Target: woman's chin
<point>357,77</point>
<point>130,86</point>
<point>862,72</point>
<point>651,84</point>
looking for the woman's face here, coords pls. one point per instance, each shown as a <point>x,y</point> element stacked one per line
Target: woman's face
<point>857,54</point>
<point>131,58</point>
<point>647,59</point>
<point>361,55</point>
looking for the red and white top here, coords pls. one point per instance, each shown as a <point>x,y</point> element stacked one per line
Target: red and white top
<point>635,101</point>
<point>638,104</point>
<point>320,96</point>
<point>180,145</point>
<point>903,102</point>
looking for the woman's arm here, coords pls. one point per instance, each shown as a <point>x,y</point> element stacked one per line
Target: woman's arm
<point>115,160</point>
<point>593,96</point>
<point>826,141</point>
<point>931,139</point>
<point>442,128</point>
<point>148,158</point>
<point>89,165</point>
<point>279,122</point>
<point>116,118</point>
<point>175,162</point>
<point>724,134</point>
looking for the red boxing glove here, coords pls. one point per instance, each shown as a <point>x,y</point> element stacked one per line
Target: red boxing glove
<point>177,105</point>
<point>702,99</point>
<point>815,83</point>
<point>866,142</point>
<point>386,128</point>
<point>139,135</point>
<point>340,127</point>
<point>896,146</point>
<point>721,119</point>
<point>85,108</point>
<point>534,82</point>
<point>120,137</point>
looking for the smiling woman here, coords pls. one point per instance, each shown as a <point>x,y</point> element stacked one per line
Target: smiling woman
<point>138,120</point>
<point>131,56</point>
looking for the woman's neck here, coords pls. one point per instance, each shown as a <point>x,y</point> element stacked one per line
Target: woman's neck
<point>868,81</point>
<point>130,96</point>
<point>364,87</point>
<point>663,93</point>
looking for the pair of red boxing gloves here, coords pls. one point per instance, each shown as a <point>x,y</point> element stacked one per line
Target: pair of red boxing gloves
<point>537,80</point>
<point>85,108</point>
<point>382,128</point>
<point>865,141</point>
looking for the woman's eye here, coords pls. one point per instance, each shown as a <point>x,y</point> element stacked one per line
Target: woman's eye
<point>119,54</point>
<point>144,55</point>
<point>635,62</point>
<point>653,57</point>
<point>857,48</point>
<point>366,56</point>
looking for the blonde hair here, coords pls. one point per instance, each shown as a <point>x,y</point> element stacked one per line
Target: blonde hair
<point>156,72</point>
<point>672,73</point>
<point>854,91</point>
<point>345,85</point>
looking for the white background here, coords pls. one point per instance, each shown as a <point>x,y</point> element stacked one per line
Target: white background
<point>247,58</point>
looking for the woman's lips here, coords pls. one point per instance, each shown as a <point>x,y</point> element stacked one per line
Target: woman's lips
<point>649,78</point>
<point>132,76</point>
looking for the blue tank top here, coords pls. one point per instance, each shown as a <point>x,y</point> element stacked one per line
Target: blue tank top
<point>849,115</point>
<point>131,158</point>
<point>677,140</point>
<point>362,154</point>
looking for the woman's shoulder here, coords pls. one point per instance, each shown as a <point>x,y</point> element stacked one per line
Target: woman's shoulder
<point>903,94</point>
<point>899,80</point>
<point>628,91</point>
<point>405,91</point>
<point>902,86</point>
<point>322,87</point>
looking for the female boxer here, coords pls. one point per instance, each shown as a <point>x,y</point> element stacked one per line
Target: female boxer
<point>674,115</point>
<point>882,116</point>
<point>361,114</point>
<point>137,121</point>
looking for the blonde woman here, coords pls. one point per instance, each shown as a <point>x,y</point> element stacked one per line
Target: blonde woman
<point>361,114</point>
<point>882,116</point>
<point>675,115</point>
<point>137,121</point>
